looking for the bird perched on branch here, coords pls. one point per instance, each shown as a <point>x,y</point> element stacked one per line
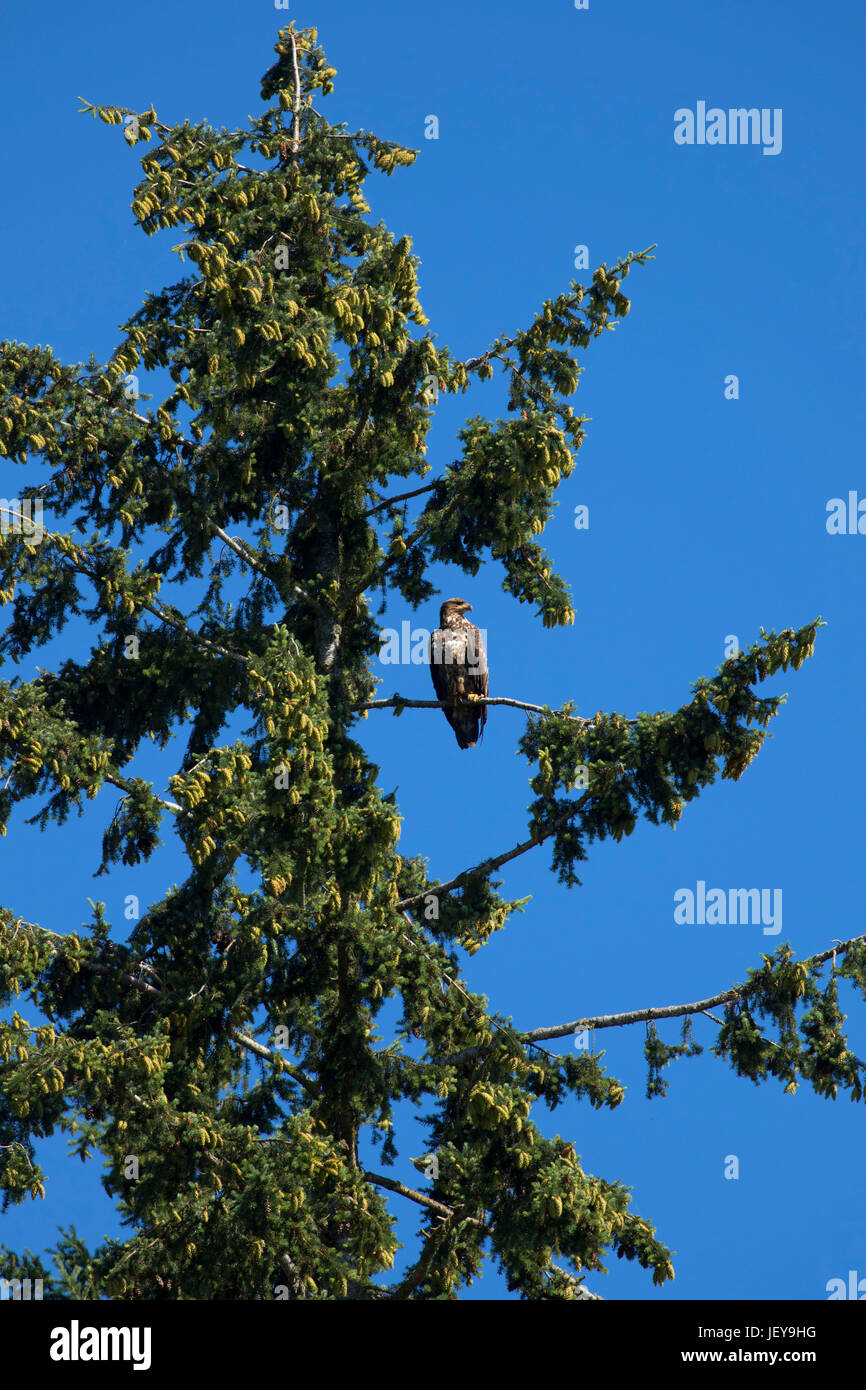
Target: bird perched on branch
<point>458,665</point>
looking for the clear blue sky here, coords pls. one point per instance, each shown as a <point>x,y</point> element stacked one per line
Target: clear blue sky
<point>707,515</point>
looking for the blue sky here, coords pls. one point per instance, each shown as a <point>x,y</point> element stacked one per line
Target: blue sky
<point>707,515</point>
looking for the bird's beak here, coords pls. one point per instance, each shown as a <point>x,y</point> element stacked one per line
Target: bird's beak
<point>467,608</point>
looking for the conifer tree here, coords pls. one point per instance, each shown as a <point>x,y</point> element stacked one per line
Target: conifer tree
<point>223,544</point>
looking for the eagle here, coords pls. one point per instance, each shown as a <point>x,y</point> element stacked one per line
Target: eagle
<point>458,665</point>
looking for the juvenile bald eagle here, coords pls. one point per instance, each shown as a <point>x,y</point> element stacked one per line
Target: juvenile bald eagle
<point>458,665</point>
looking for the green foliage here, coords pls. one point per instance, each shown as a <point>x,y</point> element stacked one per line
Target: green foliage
<point>813,1047</point>
<point>225,1061</point>
<point>660,1055</point>
<point>654,763</point>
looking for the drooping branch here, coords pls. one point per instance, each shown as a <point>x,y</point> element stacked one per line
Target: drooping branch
<point>179,625</point>
<point>244,554</point>
<point>448,979</point>
<point>81,563</point>
<point>125,785</point>
<point>238,547</point>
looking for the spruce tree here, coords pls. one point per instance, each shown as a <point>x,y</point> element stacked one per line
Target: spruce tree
<point>223,1056</point>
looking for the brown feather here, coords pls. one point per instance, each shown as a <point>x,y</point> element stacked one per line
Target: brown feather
<point>458,666</point>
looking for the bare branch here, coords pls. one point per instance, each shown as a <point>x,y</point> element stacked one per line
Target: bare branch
<point>641,1015</point>
<point>402,497</point>
<point>142,419</point>
<point>727,996</point>
<point>296,107</point>
<point>419,1197</point>
<point>267,1055</point>
<point>239,548</point>
<point>399,702</point>
<point>487,866</point>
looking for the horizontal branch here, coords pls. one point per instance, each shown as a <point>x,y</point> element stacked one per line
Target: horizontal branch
<point>727,996</point>
<point>701,1006</point>
<point>399,702</point>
